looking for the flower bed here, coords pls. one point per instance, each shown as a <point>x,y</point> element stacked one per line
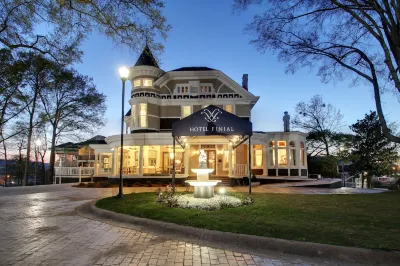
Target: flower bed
<point>187,201</point>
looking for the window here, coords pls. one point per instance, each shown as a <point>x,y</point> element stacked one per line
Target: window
<point>205,89</point>
<point>302,154</point>
<point>229,108</point>
<point>281,143</point>
<point>152,156</point>
<point>147,82</point>
<point>143,114</point>
<point>186,111</point>
<point>293,157</point>
<point>272,143</point>
<point>271,157</point>
<point>134,117</point>
<point>291,144</point>
<point>282,157</point>
<point>257,155</point>
<point>182,89</point>
<point>137,82</point>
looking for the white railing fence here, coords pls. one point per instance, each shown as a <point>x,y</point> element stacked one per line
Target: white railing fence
<point>68,172</point>
<point>240,170</point>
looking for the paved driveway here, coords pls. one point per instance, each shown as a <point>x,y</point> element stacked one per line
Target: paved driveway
<point>39,226</point>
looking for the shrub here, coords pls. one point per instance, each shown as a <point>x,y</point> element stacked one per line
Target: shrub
<point>104,184</point>
<point>91,184</point>
<point>326,166</point>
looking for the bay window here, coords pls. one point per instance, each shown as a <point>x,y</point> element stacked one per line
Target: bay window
<point>134,116</point>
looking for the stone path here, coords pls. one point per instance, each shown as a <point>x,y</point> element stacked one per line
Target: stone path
<point>39,226</point>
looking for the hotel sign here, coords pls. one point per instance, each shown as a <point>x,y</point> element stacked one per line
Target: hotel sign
<point>212,120</point>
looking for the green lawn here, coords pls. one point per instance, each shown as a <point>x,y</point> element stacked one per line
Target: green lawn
<point>368,220</point>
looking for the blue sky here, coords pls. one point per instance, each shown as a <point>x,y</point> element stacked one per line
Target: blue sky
<point>209,33</point>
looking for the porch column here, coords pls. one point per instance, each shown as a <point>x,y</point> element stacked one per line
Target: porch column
<point>276,156</point>
<point>96,168</point>
<point>265,161</point>
<point>186,159</point>
<point>298,162</point>
<point>141,160</point>
<point>113,168</point>
<point>230,159</point>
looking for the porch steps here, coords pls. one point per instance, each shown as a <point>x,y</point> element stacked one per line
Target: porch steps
<point>225,181</point>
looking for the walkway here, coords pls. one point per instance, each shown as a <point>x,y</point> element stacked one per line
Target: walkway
<point>39,226</point>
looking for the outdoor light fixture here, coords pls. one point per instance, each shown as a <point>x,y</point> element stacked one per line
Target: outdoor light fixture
<point>222,190</point>
<point>123,73</point>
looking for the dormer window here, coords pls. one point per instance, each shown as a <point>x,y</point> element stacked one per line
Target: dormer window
<point>182,89</point>
<point>205,89</point>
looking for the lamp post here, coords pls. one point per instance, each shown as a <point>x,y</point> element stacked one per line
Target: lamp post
<point>37,144</point>
<point>123,73</point>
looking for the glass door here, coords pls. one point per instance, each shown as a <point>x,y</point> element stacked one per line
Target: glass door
<point>166,165</point>
<point>211,157</point>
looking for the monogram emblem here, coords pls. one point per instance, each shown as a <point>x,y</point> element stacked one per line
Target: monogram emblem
<point>211,117</point>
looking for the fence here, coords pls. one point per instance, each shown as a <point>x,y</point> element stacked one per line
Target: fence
<point>240,170</point>
<point>71,172</point>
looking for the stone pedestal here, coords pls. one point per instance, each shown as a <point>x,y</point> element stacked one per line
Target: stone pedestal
<point>204,192</point>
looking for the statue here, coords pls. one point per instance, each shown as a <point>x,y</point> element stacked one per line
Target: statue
<point>202,159</point>
<point>286,122</point>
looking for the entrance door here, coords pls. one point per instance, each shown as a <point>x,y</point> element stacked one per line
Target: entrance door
<point>211,160</point>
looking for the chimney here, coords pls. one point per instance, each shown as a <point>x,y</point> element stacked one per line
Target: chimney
<point>245,81</point>
<point>286,122</point>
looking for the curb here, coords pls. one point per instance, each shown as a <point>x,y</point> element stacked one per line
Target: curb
<point>256,245</point>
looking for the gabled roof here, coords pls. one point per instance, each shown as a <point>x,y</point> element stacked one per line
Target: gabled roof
<point>193,69</point>
<point>146,58</point>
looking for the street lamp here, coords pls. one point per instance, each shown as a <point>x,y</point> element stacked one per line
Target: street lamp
<point>38,143</point>
<point>123,73</point>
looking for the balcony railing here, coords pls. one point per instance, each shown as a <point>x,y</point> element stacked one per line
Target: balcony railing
<point>77,172</point>
<point>240,170</point>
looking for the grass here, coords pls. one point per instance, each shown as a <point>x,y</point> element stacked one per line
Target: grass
<point>363,220</point>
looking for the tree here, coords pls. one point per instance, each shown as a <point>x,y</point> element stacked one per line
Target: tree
<point>72,105</point>
<point>69,22</point>
<point>38,73</point>
<point>342,38</point>
<point>375,153</point>
<point>322,122</point>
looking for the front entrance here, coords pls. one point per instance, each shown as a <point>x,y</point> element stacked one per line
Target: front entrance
<point>211,160</point>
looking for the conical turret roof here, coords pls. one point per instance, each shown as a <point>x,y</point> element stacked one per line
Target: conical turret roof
<point>146,58</point>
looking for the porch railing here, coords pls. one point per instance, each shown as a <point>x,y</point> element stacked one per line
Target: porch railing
<point>240,170</point>
<point>68,172</point>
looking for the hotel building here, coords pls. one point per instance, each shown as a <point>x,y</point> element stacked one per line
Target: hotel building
<point>158,100</point>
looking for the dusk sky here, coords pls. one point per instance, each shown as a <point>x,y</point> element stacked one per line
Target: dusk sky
<point>208,33</point>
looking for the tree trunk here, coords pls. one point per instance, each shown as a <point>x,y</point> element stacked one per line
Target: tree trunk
<point>43,171</point>
<point>5,162</point>
<point>362,180</point>
<point>30,131</point>
<point>20,174</point>
<point>52,152</point>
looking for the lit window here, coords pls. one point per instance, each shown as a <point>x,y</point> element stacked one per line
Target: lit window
<point>302,157</point>
<point>186,111</point>
<point>257,155</point>
<point>272,143</point>
<point>281,143</point>
<point>143,115</point>
<point>282,157</point>
<point>137,83</point>
<point>147,82</point>
<point>134,117</point>
<point>228,108</point>
<point>293,157</point>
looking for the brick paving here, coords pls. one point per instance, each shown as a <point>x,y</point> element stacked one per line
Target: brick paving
<point>39,226</point>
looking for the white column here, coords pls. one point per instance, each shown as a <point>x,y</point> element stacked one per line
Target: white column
<point>186,159</point>
<point>113,168</point>
<point>230,158</point>
<point>298,162</point>
<point>141,160</point>
<point>96,168</point>
<point>265,161</point>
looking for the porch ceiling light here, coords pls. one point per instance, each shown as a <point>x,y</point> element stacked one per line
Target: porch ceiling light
<point>123,72</point>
